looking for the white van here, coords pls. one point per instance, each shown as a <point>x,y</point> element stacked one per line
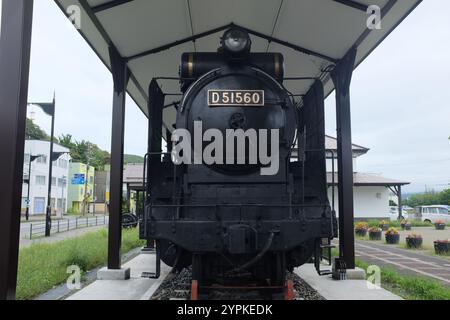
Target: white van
<point>432,213</point>
<point>393,213</point>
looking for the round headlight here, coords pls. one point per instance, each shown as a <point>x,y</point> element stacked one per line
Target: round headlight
<point>236,41</point>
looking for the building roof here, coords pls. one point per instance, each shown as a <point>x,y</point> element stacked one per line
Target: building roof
<point>133,173</point>
<point>313,34</point>
<point>56,147</point>
<point>364,179</point>
<point>331,147</point>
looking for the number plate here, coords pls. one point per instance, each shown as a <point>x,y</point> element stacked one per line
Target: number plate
<point>241,98</point>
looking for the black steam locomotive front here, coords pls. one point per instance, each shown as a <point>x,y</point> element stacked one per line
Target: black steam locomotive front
<point>248,213</point>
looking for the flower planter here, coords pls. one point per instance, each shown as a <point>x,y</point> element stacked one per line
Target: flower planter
<point>376,235</point>
<point>414,243</point>
<point>384,227</point>
<point>406,226</point>
<point>442,247</point>
<point>361,232</point>
<point>392,238</point>
<point>439,226</point>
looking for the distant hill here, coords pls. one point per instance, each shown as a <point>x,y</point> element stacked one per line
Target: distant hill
<point>131,158</point>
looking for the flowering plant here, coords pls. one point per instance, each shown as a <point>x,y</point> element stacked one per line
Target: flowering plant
<point>392,231</point>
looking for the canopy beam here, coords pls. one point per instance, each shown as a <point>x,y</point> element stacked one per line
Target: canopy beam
<point>353,4</point>
<point>215,30</point>
<point>109,5</point>
<point>84,4</point>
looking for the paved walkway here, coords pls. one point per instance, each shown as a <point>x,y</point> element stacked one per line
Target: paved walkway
<point>405,261</point>
<point>136,288</point>
<point>343,290</point>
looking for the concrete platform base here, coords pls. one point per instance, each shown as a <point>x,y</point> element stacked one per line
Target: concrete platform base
<point>343,290</point>
<point>110,274</point>
<point>136,288</point>
<point>146,250</point>
<point>356,274</point>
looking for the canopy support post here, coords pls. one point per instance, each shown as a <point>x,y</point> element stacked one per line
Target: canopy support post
<point>121,75</point>
<point>400,207</point>
<point>342,75</point>
<point>15,44</point>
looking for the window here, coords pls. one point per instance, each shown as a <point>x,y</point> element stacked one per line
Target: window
<point>39,205</point>
<point>61,204</point>
<point>91,179</point>
<point>63,163</point>
<point>433,210</point>
<point>443,211</point>
<point>61,182</point>
<point>40,180</point>
<point>27,158</point>
<point>54,181</point>
<point>42,159</point>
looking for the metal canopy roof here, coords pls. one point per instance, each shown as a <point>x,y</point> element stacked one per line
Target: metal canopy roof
<point>319,33</point>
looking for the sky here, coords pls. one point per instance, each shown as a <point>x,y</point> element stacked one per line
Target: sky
<point>400,95</point>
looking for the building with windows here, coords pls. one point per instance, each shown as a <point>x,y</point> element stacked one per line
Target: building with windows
<point>81,186</point>
<point>35,177</point>
<point>371,192</point>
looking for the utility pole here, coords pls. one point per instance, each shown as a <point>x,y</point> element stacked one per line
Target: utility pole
<point>86,181</point>
<point>63,183</point>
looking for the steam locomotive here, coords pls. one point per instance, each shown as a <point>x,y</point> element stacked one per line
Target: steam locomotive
<point>232,224</point>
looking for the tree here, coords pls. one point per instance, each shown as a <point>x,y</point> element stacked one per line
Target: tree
<point>444,197</point>
<point>34,132</point>
<point>131,158</point>
<point>85,152</point>
<point>429,198</point>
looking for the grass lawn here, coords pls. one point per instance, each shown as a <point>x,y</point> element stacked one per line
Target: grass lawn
<point>44,266</point>
<point>408,287</point>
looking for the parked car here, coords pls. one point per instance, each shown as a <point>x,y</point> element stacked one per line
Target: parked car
<point>393,213</point>
<point>432,213</point>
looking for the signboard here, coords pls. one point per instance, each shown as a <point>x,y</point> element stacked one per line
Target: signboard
<point>78,179</point>
<point>236,98</point>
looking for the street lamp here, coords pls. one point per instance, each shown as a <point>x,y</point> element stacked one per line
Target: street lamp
<point>27,211</point>
<point>49,109</point>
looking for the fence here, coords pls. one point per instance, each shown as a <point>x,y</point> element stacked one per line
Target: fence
<point>59,226</point>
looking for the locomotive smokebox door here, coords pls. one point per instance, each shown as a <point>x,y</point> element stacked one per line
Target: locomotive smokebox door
<point>241,239</point>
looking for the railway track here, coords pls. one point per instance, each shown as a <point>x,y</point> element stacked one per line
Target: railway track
<point>177,286</point>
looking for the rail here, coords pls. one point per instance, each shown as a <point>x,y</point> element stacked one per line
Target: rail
<point>37,229</point>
